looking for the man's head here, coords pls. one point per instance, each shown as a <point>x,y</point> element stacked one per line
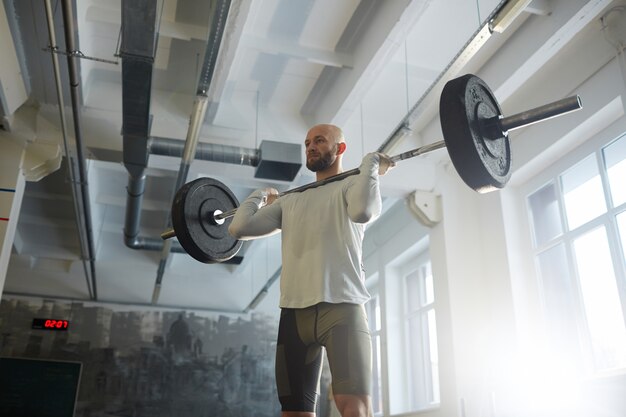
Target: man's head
<point>324,145</point>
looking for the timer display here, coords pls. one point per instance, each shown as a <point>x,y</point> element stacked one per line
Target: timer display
<point>50,324</point>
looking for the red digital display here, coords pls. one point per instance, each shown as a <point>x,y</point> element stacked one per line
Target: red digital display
<point>50,324</point>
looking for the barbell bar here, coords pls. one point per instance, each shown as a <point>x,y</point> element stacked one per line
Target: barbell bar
<point>475,135</point>
<point>506,125</point>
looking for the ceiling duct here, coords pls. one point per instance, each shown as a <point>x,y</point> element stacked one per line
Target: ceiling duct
<point>137,51</point>
<point>273,160</point>
<point>138,46</point>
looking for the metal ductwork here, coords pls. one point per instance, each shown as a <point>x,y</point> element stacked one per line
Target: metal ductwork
<point>205,151</point>
<point>139,40</point>
<point>139,37</point>
<point>274,160</point>
<point>278,161</point>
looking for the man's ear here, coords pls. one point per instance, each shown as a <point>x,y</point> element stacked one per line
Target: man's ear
<point>341,148</point>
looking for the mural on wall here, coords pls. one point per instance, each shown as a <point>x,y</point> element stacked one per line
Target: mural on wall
<point>151,362</point>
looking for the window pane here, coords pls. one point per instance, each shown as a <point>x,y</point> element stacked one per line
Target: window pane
<point>413,292</point>
<point>583,194</point>
<point>422,361</point>
<point>429,289</point>
<point>418,373</point>
<point>560,301</point>
<point>378,324</point>
<point>615,162</point>
<point>544,208</point>
<point>434,356</point>
<point>373,313</point>
<point>377,387</point>
<point>602,304</point>
<point>621,224</point>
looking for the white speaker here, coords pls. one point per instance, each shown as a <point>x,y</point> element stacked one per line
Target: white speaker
<point>426,206</point>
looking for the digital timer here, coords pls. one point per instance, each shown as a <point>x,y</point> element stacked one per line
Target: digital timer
<point>50,324</point>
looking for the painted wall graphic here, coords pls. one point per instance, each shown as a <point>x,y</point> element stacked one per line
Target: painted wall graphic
<point>149,362</point>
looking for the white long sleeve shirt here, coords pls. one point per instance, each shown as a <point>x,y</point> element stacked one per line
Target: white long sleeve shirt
<point>322,235</point>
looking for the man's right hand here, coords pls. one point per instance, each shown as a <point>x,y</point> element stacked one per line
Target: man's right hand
<point>269,196</point>
<point>376,161</point>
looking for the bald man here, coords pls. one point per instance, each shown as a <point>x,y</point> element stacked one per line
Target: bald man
<point>322,285</point>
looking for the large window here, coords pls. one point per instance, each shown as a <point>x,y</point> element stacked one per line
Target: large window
<point>579,229</point>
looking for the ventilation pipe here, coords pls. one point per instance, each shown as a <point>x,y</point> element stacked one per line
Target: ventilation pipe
<point>78,175</point>
<point>205,151</point>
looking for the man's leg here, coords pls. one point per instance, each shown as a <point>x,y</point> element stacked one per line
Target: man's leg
<point>343,330</point>
<point>298,363</point>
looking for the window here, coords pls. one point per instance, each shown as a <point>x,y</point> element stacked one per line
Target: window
<point>579,232</point>
<point>421,353</point>
<point>374,317</point>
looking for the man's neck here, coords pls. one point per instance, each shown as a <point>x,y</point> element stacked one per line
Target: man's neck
<point>329,172</point>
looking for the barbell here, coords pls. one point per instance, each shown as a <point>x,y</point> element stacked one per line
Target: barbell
<point>475,135</point>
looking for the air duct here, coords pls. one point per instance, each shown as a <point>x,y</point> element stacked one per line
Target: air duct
<point>205,151</point>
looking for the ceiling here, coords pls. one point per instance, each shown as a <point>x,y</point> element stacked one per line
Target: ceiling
<point>283,65</point>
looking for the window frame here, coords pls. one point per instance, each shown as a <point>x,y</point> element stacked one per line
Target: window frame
<point>606,220</point>
<point>416,266</point>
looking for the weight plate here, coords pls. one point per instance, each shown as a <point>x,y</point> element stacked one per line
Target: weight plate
<point>192,219</point>
<point>479,150</point>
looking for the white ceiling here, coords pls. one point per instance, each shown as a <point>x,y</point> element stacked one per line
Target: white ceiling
<point>283,66</point>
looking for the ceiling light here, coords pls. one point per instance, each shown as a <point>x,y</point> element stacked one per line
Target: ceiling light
<point>507,15</point>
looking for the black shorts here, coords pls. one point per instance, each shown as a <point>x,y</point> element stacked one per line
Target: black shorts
<point>302,334</point>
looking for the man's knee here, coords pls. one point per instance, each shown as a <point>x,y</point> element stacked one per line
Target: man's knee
<point>353,405</point>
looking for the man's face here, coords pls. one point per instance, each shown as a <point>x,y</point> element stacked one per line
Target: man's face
<point>321,149</point>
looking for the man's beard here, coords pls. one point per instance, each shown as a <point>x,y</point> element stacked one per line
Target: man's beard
<point>321,163</point>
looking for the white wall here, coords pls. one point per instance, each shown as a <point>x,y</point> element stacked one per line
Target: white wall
<point>488,309</point>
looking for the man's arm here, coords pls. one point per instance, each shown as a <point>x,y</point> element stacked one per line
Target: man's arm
<point>254,219</point>
<point>363,195</point>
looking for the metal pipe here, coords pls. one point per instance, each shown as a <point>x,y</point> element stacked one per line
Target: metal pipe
<point>134,198</point>
<point>68,24</point>
<point>72,174</point>
<point>205,151</point>
<point>193,136</point>
<point>263,292</point>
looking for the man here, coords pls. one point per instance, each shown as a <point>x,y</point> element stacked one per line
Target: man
<point>322,281</point>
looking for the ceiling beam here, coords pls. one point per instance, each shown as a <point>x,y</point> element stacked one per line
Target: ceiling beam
<point>373,35</point>
<point>297,51</point>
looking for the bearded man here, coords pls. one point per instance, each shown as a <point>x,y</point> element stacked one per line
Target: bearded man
<point>322,284</point>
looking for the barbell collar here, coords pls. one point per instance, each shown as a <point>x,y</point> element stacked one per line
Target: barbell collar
<point>168,234</point>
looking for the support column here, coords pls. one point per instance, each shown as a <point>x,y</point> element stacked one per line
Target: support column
<point>12,184</point>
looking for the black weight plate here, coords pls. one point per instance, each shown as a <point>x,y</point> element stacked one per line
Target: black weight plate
<point>192,219</point>
<point>479,150</point>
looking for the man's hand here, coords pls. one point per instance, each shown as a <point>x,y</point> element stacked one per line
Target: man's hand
<point>384,163</point>
<point>376,161</point>
<point>269,196</point>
